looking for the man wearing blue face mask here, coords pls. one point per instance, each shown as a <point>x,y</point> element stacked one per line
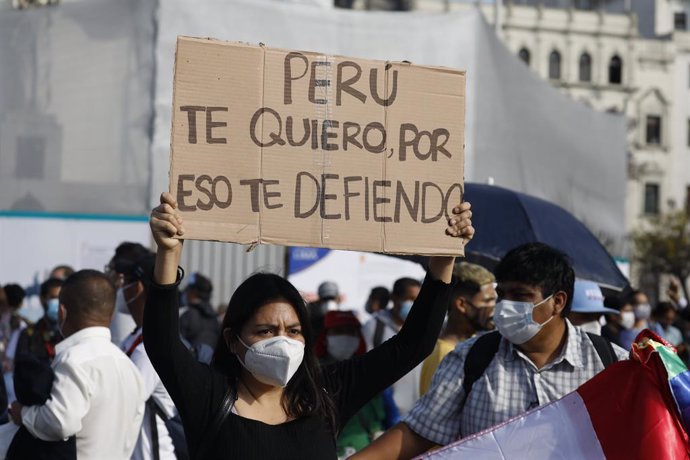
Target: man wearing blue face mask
<point>39,339</point>
<point>384,325</point>
<point>536,357</point>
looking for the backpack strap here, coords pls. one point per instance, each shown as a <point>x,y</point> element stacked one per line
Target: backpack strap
<point>604,349</point>
<point>153,411</point>
<point>209,436</point>
<point>378,332</point>
<point>478,358</point>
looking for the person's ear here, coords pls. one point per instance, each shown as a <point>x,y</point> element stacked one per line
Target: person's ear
<point>62,314</point>
<point>560,299</point>
<point>459,305</point>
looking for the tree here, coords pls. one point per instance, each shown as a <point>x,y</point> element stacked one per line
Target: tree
<point>664,246</point>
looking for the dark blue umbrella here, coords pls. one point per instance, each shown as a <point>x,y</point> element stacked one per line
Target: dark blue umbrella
<point>504,219</point>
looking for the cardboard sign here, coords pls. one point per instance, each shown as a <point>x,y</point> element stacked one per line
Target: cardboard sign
<point>296,148</point>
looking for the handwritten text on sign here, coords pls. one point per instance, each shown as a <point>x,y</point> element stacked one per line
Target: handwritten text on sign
<point>299,137</point>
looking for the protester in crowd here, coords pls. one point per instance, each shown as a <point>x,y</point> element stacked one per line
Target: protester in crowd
<point>643,312</point>
<point>122,323</point>
<point>624,319</point>
<point>97,393</point>
<point>15,298</point>
<point>265,395</point>
<point>12,326</point>
<point>198,322</point>
<point>61,272</point>
<point>329,300</point>
<point>588,306</point>
<point>154,441</point>
<point>378,300</point>
<point>664,316</point>
<point>675,296</point>
<point>41,338</point>
<point>534,358</point>
<point>342,339</point>
<point>386,324</point>
<point>470,312</point>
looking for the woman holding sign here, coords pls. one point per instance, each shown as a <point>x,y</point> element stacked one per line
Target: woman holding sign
<point>264,395</point>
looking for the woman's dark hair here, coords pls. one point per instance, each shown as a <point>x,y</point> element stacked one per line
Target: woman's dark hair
<point>304,394</point>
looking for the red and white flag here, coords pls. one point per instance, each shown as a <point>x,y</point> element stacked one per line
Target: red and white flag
<point>635,409</point>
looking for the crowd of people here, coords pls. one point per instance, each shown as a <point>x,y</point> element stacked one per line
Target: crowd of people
<point>422,364</point>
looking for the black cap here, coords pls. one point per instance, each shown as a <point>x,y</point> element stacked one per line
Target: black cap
<point>201,284</point>
<point>141,270</point>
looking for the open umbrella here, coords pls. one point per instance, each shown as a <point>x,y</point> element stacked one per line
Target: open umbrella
<point>504,219</point>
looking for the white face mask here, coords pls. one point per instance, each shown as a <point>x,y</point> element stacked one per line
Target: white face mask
<point>643,311</point>
<point>120,302</point>
<point>593,327</point>
<point>342,346</point>
<point>273,361</point>
<point>627,319</point>
<point>405,309</point>
<point>514,321</point>
<point>329,305</point>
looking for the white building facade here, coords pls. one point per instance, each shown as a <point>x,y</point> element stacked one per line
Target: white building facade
<point>628,56</point>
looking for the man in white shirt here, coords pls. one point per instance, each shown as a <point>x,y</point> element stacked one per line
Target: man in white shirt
<point>135,275</point>
<point>97,394</point>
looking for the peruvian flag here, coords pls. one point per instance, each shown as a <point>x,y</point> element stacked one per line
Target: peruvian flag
<point>635,409</point>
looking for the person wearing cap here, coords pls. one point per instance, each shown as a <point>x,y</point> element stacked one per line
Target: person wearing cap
<point>588,307</point>
<point>125,255</point>
<point>329,300</point>
<point>155,440</point>
<point>342,339</point>
<point>198,321</point>
<point>470,312</point>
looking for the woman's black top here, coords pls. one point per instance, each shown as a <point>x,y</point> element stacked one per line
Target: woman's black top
<point>198,389</point>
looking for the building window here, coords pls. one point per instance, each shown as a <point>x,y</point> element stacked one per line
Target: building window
<point>653,132</point>
<point>688,132</point>
<point>615,70</point>
<point>585,67</point>
<point>651,199</point>
<point>555,65</point>
<point>523,54</point>
<point>687,199</point>
<point>680,20</point>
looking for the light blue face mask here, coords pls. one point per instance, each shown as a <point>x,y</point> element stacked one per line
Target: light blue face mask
<point>405,308</point>
<point>52,310</point>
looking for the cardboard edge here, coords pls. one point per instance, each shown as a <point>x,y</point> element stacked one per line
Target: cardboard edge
<point>172,121</point>
<point>316,53</point>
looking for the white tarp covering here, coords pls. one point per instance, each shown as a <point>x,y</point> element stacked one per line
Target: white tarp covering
<point>76,97</point>
<point>519,130</point>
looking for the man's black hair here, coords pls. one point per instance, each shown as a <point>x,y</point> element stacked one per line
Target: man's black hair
<point>88,294</point>
<point>402,284</point>
<point>381,295</point>
<point>15,295</point>
<point>50,283</point>
<point>539,265</point>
